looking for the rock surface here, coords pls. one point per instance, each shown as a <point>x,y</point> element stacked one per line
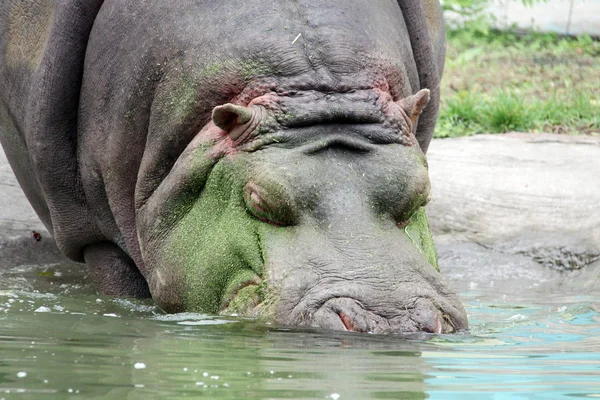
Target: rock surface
<point>18,222</point>
<point>535,195</point>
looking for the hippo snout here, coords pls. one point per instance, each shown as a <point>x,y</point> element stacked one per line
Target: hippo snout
<point>348,314</point>
<point>412,308</point>
<point>304,223</point>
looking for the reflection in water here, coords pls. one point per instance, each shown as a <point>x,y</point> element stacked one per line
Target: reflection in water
<point>58,339</point>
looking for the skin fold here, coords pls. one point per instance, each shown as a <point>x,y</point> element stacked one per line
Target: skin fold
<point>250,157</point>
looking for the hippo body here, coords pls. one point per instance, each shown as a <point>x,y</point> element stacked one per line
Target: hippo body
<point>248,156</point>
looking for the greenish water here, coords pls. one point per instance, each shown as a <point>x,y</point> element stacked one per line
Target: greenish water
<point>59,340</point>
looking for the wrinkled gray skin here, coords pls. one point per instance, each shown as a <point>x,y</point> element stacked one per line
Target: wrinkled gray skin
<point>112,116</point>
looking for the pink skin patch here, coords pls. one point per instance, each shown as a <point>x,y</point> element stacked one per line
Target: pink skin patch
<point>403,224</point>
<point>268,97</point>
<point>224,145</point>
<point>369,105</point>
<point>211,133</point>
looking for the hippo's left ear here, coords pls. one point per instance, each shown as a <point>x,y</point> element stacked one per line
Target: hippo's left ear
<point>229,115</point>
<point>414,105</point>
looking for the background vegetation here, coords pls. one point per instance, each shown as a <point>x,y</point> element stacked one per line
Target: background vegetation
<point>501,81</point>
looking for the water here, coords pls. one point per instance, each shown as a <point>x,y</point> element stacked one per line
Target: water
<point>532,337</point>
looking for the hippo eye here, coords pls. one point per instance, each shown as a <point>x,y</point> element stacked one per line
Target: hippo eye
<point>271,206</point>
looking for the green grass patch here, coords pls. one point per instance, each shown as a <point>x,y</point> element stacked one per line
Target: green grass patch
<point>507,112</point>
<point>498,82</point>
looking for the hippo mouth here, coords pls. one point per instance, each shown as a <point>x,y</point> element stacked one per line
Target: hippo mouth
<point>347,314</point>
<point>245,298</point>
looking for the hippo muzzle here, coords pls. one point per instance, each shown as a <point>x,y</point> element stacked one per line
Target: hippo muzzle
<point>360,274</point>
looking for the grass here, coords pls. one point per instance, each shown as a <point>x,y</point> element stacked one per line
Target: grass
<point>500,82</point>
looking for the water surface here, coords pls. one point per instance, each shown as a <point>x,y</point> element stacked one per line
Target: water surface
<point>532,337</point>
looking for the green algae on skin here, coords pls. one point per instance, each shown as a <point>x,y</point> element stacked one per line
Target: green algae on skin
<point>254,68</point>
<point>183,95</point>
<point>216,241</point>
<point>210,70</point>
<point>269,299</point>
<point>245,301</point>
<point>183,98</point>
<point>419,234</point>
<point>180,205</point>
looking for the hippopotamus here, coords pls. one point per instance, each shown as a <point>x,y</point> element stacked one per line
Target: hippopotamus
<point>249,157</point>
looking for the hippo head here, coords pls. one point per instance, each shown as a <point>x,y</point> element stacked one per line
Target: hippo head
<point>306,208</point>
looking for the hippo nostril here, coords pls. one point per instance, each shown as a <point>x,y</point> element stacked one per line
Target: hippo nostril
<point>426,317</point>
<point>347,321</point>
<point>449,325</point>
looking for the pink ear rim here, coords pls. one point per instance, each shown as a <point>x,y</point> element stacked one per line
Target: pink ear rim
<point>415,104</point>
<point>230,115</point>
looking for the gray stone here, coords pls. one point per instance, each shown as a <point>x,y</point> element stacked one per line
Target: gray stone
<point>535,195</point>
<point>18,222</point>
<point>17,218</point>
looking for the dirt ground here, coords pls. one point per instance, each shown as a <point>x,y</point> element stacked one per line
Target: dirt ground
<point>559,78</point>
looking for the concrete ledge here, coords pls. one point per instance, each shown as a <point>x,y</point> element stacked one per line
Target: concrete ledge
<point>568,17</point>
<point>18,221</point>
<point>529,194</point>
<point>17,218</point>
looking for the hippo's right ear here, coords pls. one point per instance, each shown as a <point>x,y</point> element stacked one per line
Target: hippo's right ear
<point>414,105</point>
